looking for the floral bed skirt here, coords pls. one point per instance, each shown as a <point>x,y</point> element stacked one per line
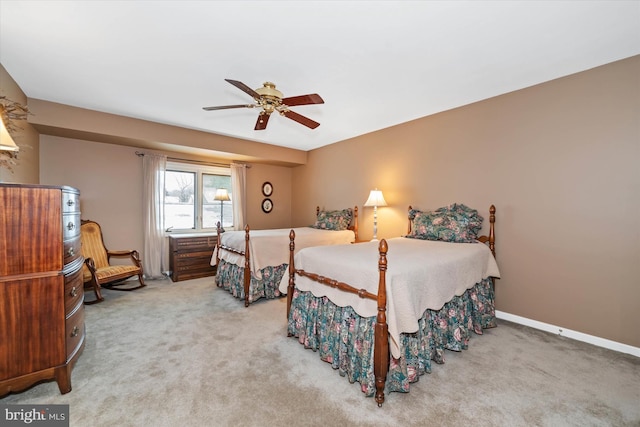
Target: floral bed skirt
<point>345,339</point>
<point>231,277</point>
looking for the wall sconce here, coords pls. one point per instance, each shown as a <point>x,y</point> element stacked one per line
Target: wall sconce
<point>375,199</point>
<point>6,141</point>
<point>223,196</point>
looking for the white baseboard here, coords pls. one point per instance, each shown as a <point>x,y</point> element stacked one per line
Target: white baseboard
<point>600,342</point>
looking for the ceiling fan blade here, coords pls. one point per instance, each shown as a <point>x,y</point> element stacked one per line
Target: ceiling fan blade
<point>246,89</point>
<point>261,123</point>
<point>313,98</point>
<point>300,119</point>
<point>226,107</point>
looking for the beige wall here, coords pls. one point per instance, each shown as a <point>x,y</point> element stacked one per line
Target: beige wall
<point>109,178</point>
<point>281,180</point>
<point>561,162</point>
<point>26,168</point>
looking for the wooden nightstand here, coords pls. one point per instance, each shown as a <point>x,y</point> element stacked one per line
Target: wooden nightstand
<point>190,256</point>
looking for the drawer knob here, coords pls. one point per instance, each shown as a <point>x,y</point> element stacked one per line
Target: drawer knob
<point>70,202</point>
<point>70,252</point>
<point>75,332</point>
<point>73,292</point>
<point>71,226</point>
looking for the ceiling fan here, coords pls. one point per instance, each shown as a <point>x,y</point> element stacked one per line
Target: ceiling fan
<point>269,99</point>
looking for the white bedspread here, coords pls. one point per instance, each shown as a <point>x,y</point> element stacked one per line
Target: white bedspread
<point>421,274</point>
<point>271,247</point>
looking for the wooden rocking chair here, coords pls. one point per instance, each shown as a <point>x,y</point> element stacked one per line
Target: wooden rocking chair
<point>97,271</point>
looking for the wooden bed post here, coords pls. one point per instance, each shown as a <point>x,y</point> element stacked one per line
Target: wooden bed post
<point>247,270</point>
<point>492,233</point>
<point>292,272</point>
<point>381,343</point>
<point>409,227</point>
<point>218,244</point>
<point>355,222</point>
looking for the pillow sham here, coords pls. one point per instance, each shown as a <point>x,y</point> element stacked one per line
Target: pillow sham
<point>334,220</point>
<point>454,223</point>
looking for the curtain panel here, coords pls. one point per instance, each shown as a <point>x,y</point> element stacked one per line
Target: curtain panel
<point>239,190</point>
<point>155,257</point>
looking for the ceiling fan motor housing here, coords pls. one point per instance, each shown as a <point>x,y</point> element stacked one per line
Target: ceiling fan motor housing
<point>270,97</point>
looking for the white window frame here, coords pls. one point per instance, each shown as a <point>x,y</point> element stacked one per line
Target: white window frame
<point>199,170</point>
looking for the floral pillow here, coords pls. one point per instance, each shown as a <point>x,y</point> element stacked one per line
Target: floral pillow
<point>334,220</point>
<point>454,223</point>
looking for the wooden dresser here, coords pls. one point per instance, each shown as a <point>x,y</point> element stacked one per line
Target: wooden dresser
<point>190,256</point>
<point>42,331</point>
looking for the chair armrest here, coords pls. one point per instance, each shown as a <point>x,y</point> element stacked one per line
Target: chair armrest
<point>133,254</point>
<point>120,253</point>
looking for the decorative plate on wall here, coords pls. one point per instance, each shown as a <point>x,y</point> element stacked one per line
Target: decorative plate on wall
<point>267,189</point>
<point>267,205</point>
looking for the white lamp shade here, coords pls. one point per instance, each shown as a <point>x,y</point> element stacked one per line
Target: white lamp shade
<point>6,142</point>
<point>222,195</point>
<point>375,199</point>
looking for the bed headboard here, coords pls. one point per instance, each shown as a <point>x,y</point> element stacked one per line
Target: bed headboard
<point>489,239</point>
<point>354,220</point>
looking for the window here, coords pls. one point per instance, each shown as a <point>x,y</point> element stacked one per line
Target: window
<point>189,203</point>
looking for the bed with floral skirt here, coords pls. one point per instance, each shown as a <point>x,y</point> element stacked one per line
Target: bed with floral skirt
<point>383,327</point>
<point>251,263</point>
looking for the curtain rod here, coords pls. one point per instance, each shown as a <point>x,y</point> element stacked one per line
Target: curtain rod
<point>202,162</point>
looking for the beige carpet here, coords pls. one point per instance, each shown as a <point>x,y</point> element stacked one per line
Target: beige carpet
<point>189,354</point>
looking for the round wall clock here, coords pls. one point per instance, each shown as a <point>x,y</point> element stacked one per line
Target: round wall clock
<point>267,205</point>
<point>267,189</point>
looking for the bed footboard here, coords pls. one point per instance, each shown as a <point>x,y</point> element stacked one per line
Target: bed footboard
<point>246,254</point>
<point>381,340</point>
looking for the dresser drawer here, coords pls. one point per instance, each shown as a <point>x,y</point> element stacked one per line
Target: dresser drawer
<point>192,272</point>
<point>70,202</point>
<point>194,243</point>
<point>190,256</point>
<point>72,250</point>
<point>73,290</point>
<point>75,329</point>
<point>70,225</point>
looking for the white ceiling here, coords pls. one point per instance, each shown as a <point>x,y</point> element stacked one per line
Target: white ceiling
<point>375,63</point>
